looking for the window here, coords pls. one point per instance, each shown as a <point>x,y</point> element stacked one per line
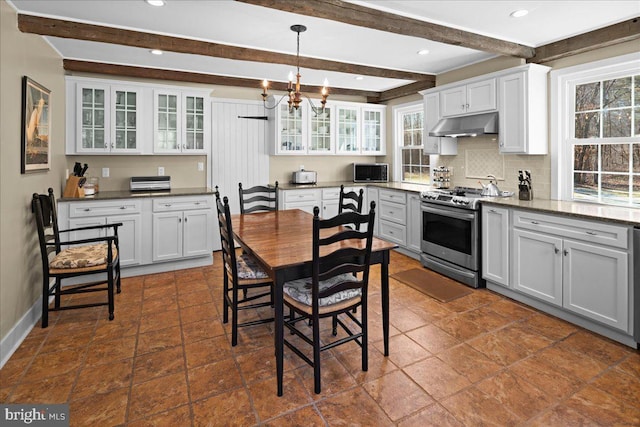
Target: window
<point>412,165</point>
<point>599,158</point>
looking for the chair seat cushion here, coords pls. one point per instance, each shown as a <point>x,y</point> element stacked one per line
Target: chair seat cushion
<point>249,268</point>
<point>81,257</point>
<point>300,290</point>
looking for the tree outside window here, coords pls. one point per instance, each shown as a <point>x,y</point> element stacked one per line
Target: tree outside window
<point>414,164</point>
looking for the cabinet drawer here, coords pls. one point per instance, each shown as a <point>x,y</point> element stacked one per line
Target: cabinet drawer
<point>393,212</point>
<point>392,232</point>
<point>301,195</point>
<point>393,196</point>
<point>111,207</point>
<point>589,231</point>
<point>168,204</point>
<point>331,193</point>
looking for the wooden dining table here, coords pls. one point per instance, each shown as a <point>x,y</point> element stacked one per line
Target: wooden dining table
<point>282,242</point>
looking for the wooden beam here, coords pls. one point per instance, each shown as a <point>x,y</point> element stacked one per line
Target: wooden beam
<point>210,79</point>
<point>603,37</point>
<point>349,13</point>
<point>102,34</point>
<point>398,92</point>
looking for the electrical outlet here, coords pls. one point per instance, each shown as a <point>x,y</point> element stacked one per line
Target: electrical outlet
<point>160,170</point>
<point>105,172</point>
<point>200,166</point>
<point>301,167</point>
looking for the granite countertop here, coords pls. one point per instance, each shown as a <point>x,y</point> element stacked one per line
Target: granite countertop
<point>584,210</point>
<point>416,188</point>
<point>109,195</point>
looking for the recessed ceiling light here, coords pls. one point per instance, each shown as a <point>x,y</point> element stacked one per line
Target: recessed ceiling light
<point>359,78</point>
<point>156,51</point>
<point>423,52</point>
<point>157,3</point>
<point>519,13</point>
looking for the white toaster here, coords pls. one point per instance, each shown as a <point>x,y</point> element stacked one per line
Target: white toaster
<point>304,177</point>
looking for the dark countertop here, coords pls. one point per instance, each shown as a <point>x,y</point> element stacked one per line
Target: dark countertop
<point>109,195</point>
<point>416,188</point>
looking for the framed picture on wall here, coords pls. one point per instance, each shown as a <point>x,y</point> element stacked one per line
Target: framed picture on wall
<point>36,126</point>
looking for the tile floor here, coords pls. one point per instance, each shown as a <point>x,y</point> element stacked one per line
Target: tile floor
<point>166,359</point>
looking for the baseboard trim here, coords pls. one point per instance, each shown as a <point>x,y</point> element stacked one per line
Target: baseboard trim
<point>19,332</point>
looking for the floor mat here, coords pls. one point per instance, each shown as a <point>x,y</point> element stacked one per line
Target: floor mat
<point>433,284</point>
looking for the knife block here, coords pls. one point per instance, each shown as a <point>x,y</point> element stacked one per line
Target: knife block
<point>525,194</point>
<point>73,189</point>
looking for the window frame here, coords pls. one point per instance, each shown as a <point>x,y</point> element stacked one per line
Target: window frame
<point>398,131</point>
<point>562,125</point>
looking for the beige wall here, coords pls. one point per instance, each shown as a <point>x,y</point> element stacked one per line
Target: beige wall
<point>20,273</point>
<point>329,168</point>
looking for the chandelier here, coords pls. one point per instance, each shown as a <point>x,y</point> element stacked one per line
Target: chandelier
<point>293,91</point>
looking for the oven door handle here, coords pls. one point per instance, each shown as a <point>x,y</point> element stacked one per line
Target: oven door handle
<point>442,210</point>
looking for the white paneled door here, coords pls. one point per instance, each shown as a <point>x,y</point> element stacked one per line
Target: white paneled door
<point>239,151</point>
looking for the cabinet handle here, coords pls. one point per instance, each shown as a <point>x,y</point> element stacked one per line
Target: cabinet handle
<point>167,205</point>
<point>492,210</point>
<point>179,219</point>
<point>87,210</point>
<point>462,107</point>
<point>592,233</point>
<point>197,203</point>
<point>535,222</point>
<point>467,105</point>
<point>390,212</point>
<point>556,250</point>
<point>565,252</point>
<point>106,145</point>
<point>185,220</point>
<point>113,146</point>
<point>123,207</point>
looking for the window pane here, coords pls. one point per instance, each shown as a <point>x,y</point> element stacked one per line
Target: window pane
<point>615,188</point>
<point>587,125</point>
<point>616,93</point>
<point>636,158</point>
<point>615,158</point>
<point>636,189</point>
<point>585,185</point>
<point>588,96</point>
<point>636,131</point>
<point>616,123</point>
<point>636,90</point>
<point>406,157</point>
<point>585,157</point>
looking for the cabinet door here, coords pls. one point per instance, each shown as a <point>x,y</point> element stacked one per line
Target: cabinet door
<point>197,232</point>
<point>348,128</point>
<point>290,129</point>
<point>513,131</point>
<point>481,96</point>
<point>537,265</point>
<point>85,222</point>
<point>194,129</point>
<point>414,223</point>
<point>596,283</point>
<point>433,144</point>
<point>329,208</point>
<point>495,245</point>
<point>321,131</point>
<point>92,118</point>
<point>373,131</point>
<point>305,206</point>
<point>125,119</point>
<point>372,196</point>
<point>453,101</point>
<point>166,122</point>
<point>167,236</point>
<point>129,238</point>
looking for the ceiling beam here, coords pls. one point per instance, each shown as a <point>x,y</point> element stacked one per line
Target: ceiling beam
<point>349,13</point>
<point>398,92</point>
<point>603,37</point>
<point>184,76</point>
<point>102,34</point>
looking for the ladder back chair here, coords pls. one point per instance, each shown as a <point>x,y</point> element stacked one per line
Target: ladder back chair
<point>333,290</point>
<point>260,198</point>
<point>351,201</point>
<point>240,273</point>
<point>82,257</point>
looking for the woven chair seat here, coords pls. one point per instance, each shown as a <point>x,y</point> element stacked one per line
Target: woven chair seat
<point>300,290</point>
<point>248,268</point>
<point>81,257</point>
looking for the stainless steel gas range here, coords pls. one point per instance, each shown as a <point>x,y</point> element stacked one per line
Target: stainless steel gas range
<point>451,234</point>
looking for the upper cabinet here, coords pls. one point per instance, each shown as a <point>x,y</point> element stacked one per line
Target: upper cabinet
<point>522,101</point>
<point>111,117</point>
<point>470,98</point>
<point>341,128</point>
<point>434,144</point>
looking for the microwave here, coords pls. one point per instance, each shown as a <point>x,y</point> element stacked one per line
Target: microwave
<point>370,172</point>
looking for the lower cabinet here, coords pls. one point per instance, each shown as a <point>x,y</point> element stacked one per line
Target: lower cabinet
<point>373,196</point>
<point>495,244</point>
<point>414,222</point>
<point>182,227</point>
<point>326,199</point>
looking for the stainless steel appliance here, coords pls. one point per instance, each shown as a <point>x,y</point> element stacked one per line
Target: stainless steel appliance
<point>150,183</point>
<point>451,234</point>
<point>370,172</point>
<point>304,177</point>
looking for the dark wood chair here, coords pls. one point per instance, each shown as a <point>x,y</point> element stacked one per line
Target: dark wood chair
<point>351,201</point>
<point>333,290</point>
<point>241,273</point>
<point>260,198</point>
<point>82,257</point>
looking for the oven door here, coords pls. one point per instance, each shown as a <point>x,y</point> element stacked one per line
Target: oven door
<point>450,234</point>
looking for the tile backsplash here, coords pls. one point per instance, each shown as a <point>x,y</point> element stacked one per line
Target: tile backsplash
<point>479,156</point>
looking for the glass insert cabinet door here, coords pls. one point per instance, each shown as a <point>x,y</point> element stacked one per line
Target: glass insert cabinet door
<point>291,129</point>
<point>347,128</point>
<point>126,120</point>
<point>371,131</point>
<point>93,118</point>
<point>167,113</point>
<point>321,131</point>
<point>194,123</point>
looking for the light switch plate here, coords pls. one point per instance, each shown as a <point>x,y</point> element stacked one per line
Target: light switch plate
<point>105,172</point>
<point>160,170</point>
<point>200,166</point>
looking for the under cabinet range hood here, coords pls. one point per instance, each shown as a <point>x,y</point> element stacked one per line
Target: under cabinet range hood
<point>478,124</point>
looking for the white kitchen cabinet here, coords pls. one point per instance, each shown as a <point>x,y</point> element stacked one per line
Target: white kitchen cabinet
<point>581,266</point>
<point>373,130</point>
<point>348,129</point>
<point>182,227</point>
<point>470,98</point>
<point>305,199</point>
<point>106,118</point>
<point>414,223</point>
<point>432,144</point>
<point>393,216</point>
<point>321,131</point>
<point>180,122</point>
<point>128,212</point>
<point>522,106</point>
<point>495,244</point>
<point>330,202</point>
<point>373,196</point>
<point>288,128</point>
